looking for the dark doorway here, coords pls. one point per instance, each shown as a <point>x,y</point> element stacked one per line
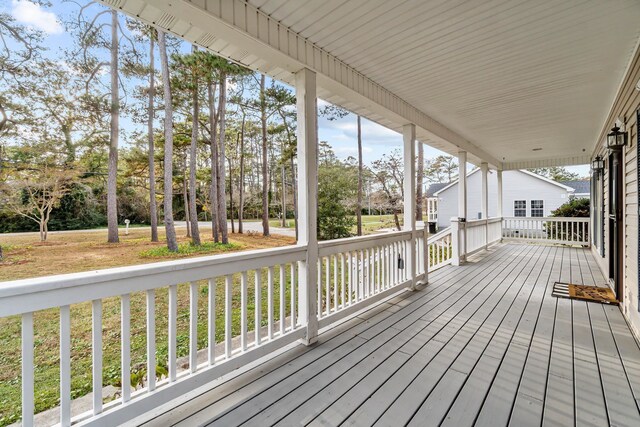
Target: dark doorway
<point>616,200</point>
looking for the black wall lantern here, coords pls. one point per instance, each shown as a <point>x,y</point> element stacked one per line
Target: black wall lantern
<point>616,139</point>
<point>597,165</point>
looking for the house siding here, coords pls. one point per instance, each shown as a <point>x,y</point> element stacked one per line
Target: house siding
<point>625,106</point>
<point>516,185</point>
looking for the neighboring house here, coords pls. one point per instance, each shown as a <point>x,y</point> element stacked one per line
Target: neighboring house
<point>582,188</point>
<point>524,194</point>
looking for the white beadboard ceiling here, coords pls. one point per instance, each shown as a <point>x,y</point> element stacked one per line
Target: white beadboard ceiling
<point>508,75</point>
<point>498,78</point>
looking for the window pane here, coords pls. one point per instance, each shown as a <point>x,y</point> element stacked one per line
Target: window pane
<point>537,208</point>
<point>520,208</point>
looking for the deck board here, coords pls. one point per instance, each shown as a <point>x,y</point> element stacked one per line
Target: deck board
<point>484,343</point>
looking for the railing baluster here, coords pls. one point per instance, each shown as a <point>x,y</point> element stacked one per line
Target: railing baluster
<point>343,283</point>
<point>378,259</point>
<point>243,310</point>
<point>193,327</point>
<point>270,304</point>
<point>283,305</point>
<point>172,335</point>
<point>211,322</point>
<point>319,282</point>
<point>350,274</point>
<point>65,366</point>
<point>335,282</point>
<point>258,305</point>
<point>125,338</point>
<point>151,340</point>
<point>293,296</point>
<point>27,370</point>
<point>96,354</point>
<point>327,283</point>
<point>228,307</point>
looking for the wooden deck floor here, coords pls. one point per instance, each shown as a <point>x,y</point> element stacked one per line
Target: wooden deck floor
<point>483,344</point>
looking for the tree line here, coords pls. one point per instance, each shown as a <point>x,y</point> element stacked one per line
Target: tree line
<point>131,123</point>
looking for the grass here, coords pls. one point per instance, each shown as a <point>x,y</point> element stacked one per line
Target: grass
<point>72,252</point>
<point>190,249</point>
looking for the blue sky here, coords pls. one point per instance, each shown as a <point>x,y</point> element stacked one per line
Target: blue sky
<point>341,134</point>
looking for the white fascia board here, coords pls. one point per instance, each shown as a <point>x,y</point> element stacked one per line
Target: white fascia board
<point>244,34</point>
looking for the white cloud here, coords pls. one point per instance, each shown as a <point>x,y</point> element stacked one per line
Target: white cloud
<point>34,15</point>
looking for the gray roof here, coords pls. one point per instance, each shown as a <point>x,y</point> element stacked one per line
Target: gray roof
<point>581,187</point>
<point>433,188</point>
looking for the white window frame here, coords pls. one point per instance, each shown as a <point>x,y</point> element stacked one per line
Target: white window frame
<point>534,209</point>
<point>517,210</point>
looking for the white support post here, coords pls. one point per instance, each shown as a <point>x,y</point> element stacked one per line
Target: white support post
<point>500,213</point>
<point>462,202</point>
<point>455,241</point>
<point>307,134</point>
<point>484,167</point>
<point>409,138</point>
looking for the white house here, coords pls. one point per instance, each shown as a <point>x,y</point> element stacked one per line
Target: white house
<point>524,194</point>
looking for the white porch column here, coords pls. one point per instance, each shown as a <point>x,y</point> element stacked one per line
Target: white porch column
<point>462,202</point>
<point>409,138</point>
<point>307,133</point>
<point>500,213</point>
<point>484,168</point>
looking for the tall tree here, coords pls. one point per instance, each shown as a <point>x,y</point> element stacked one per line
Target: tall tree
<point>153,207</point>
<point>265,159</point>
<point>172,242</point>
<point>389,173</point>
<point>556,173</point>
<point>114,135</point>
<point>222,204</point>
<point>441,168</point>
<point>193,153</point>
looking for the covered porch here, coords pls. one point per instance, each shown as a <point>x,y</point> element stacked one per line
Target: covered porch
<point>457,328</point>
<point>484,343</point>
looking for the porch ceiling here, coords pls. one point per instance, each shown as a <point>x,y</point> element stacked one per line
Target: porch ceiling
<point>497,78</point>
<point>509,76</point>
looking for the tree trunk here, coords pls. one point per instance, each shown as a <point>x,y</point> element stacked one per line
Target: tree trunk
<point>193,152</point>
<point>222,204</point>
<point>233,227</point>
<point>420,175</point>
<point>172,242</point>
<point>284,197</point>
<point>295,195</point>
<point>68,143</point>
<point>241,184</point>
<point>153,207</point>
<point>265,164</point>
<point>185,197</point>
<point>112,201</point>
<point>213,145</point>
<point>396,219</point>
<point>360,168</point>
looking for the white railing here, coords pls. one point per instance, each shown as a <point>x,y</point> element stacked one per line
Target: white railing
<point>440,252</point>
<point>254,300</point>
<point>472,236</point>
<point>355,272</point>
<point>481,233</point>
<point>558,230</point>
<point>236,285</point>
